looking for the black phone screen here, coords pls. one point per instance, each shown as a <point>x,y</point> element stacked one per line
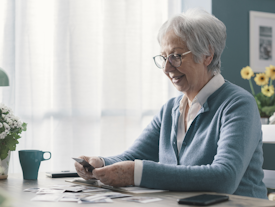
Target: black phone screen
<point>85,164</point>
<point>203,200</point>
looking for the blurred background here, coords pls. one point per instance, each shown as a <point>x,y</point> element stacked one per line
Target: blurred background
<point>82,74</point>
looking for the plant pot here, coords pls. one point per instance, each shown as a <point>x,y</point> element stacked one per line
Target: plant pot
<point>4,167</point>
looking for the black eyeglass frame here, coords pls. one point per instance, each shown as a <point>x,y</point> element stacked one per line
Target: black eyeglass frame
<point>165,59</point>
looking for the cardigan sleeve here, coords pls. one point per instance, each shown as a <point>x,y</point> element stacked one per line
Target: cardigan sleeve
<point>239,136</point>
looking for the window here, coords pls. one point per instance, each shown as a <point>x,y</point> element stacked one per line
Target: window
<point>81,74</point>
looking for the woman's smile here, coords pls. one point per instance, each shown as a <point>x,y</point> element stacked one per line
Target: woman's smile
<point>176,79</point>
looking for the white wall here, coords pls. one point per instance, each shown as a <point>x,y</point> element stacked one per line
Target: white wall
<point>178,6</point>
<point>174,7</point>
<point>203,4</point>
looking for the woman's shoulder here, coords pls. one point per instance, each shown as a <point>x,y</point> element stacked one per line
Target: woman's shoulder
<point>230,90</point>
<point>230,95</point>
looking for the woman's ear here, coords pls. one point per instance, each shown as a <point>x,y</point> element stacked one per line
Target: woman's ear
<point>208,59</point>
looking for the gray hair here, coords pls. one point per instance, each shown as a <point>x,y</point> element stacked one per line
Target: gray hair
<point>202,32</point>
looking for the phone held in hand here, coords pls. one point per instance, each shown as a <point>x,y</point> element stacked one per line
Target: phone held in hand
<point>203,200</point>
<point>85,164</point>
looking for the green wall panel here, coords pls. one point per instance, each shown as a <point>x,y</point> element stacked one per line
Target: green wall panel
<point>235,15</point>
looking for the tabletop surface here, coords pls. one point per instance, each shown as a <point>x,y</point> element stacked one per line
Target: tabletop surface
<point>15,185</point>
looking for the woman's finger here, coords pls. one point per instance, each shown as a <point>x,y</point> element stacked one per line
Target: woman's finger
<point>81,171</point>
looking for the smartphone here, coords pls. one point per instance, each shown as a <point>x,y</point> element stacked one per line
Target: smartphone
<point>62,174</point>
<point>203,200</point>
<point>85,164</point>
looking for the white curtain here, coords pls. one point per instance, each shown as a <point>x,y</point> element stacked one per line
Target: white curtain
<point>81,74</point>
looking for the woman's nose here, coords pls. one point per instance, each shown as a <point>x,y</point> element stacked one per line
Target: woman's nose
<point>168,67</point>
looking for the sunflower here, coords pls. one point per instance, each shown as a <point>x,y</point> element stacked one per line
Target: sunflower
<point>268,90</point>
<point>247,73</point>
<point>261,79</point>
<point>270,72</point>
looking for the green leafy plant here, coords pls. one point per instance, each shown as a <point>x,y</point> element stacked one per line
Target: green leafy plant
<point>266,105</point>
<point>266,98</point>
<point>10,129</point>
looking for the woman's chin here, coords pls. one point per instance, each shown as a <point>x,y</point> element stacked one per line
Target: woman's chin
<point>180,88</point>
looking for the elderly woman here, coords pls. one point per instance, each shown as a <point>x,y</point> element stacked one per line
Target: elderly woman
<point>209,138</point>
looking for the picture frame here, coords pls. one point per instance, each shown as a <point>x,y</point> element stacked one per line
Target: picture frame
<point>261,40</point>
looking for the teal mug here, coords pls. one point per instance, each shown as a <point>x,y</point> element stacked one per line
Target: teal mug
<point>30,162</point>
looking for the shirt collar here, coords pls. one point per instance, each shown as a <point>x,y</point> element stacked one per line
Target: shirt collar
<point>215,83</point>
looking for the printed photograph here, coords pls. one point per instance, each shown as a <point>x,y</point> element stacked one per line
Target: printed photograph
<point>265,43</point>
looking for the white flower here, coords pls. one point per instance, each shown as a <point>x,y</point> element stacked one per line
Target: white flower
<point>4,108</point>
<point>3,135</point>
<point>19,123</point>
<point>6,126</point>
<point>9,121</point>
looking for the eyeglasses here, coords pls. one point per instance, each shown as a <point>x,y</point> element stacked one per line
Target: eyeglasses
<point>174,60</point>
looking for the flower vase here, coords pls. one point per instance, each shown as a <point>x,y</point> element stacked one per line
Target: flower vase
<point>4,167</point>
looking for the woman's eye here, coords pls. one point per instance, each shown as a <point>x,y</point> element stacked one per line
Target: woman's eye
<point>177,56</point>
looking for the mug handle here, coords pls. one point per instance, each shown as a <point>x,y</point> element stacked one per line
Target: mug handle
<point>43,155</point>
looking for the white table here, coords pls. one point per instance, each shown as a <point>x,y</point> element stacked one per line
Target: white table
<point>15,185</point>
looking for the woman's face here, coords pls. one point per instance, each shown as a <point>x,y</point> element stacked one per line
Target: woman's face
<point>189,77</point>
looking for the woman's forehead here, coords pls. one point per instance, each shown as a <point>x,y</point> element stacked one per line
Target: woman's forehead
<point>169,45</point>
<point>171,41</point>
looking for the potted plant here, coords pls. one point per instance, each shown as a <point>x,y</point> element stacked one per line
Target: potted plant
<point>266,98</point>
<point>10,130</point>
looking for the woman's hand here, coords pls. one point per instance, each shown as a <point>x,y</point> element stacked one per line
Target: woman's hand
<point>119,174</point>
<point>96,162</point>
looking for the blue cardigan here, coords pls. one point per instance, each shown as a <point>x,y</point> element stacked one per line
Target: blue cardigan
<point>221,152</point>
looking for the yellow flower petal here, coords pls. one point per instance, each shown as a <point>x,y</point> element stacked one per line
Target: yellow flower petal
<point>261,79</point>
<point>268,90</point>
<point>270,72</point>
<point>247,73</point>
